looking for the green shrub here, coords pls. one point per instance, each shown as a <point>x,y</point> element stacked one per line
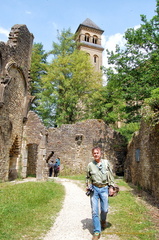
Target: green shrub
<point>128,130</point>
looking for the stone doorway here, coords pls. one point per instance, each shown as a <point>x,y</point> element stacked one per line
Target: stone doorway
<point>12,168</point>
<point>32,159</point>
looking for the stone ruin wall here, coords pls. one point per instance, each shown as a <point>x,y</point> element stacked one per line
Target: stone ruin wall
<point>15,58</point>
<point>142,162</point>
<point>25,144</point>
<point>24,141</point>
<point>73,143</point>
<point>34,147</point>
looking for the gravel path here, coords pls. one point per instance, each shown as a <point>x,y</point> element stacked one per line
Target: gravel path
<point>74,221</point>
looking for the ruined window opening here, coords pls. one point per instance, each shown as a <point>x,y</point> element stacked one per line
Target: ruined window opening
<point>14,151</point>
<point>137,155</point>
<point>79,139</point>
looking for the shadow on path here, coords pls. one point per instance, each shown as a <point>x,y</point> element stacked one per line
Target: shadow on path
<point>87,224</point>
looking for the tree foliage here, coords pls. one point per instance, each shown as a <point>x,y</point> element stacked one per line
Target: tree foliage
<point>38,69</point>
<point>68,85</point>
<point>66,44</point>
<point>135,71</point>
<point>68,89</point>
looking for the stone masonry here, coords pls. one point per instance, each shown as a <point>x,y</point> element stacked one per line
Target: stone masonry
<point>15,56</point>
<point>25,143</point>
<point>142,162</point>
<point>34,145</point>
<point>73,143</point>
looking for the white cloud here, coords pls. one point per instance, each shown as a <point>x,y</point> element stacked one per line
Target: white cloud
<point>4,32</point>
<point>137,26</point>
<point>28,12</point>
<point>55,26</point>
<point>110,42</point>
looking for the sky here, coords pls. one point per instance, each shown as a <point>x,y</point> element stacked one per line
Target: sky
<point>44,17</point>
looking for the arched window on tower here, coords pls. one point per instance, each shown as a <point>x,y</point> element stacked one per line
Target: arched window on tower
<point>95,39</point>
<point>95,57</point>
<point>87,37</point>
<point>96,62</point>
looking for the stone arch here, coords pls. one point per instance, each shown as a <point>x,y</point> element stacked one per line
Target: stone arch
<point>10,65</point>
<point>95,39</point>
<point>87,37</point>
<point>10,77</point>
<point>16,91</point>
<point>13,159</point>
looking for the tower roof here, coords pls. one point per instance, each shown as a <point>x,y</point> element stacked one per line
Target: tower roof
<point>89,23</point>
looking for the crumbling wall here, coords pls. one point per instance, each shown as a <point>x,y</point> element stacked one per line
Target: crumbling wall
<point>73,144</point>
<point>34,148</point>
<point>142,162</point>
<point>24,141</point>
<point>15,58</point>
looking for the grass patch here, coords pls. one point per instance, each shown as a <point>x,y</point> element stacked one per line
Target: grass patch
<point>26,209</point>
<point>128,218</point>
<point>80,177</point>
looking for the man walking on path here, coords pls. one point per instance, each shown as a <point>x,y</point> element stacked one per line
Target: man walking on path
<point>101,180</point>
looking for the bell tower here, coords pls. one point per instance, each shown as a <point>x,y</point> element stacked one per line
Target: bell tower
<point>89,37</point>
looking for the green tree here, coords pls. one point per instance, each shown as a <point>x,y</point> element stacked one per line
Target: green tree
<point>38,69</point>
<point>66,43</point>
<point>135,68</point>
<point>150,109</point>
<point>69,83</point>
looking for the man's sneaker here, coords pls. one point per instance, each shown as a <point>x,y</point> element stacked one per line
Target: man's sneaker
<point>96,236</point>
<point>103,224</point>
